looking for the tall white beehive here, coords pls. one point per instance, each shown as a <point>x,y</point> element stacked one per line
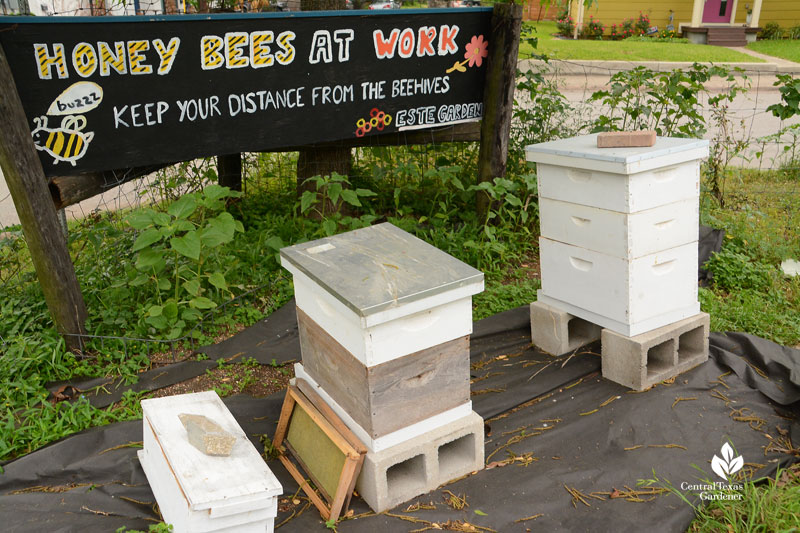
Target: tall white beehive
<point>619,230</point>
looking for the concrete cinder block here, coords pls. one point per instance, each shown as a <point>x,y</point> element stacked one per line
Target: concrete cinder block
<point>641,361</point>
<point>414,467</point>
<point>558,332</point>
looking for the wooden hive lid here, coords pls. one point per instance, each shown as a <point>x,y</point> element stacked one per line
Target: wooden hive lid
<point>206,481</point>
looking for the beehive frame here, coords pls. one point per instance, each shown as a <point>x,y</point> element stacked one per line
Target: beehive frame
<point>341,440</point>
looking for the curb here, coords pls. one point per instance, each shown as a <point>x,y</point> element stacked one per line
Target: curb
<point>585,67</point>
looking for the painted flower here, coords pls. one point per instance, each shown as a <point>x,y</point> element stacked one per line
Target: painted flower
<point>476,50</point>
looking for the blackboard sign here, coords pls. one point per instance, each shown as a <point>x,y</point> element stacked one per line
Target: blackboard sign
<point>112,92</point>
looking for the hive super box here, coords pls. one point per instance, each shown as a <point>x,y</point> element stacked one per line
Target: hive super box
<point>197,492</point>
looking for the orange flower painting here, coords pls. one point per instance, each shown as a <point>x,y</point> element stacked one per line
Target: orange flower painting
<point>474,52</point>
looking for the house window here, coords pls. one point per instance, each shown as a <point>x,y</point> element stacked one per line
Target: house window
<point>723,8</point>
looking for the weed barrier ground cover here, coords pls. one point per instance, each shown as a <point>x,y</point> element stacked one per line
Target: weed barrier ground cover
<point>563,445</point>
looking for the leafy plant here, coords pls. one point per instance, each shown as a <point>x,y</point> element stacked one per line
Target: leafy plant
<point>667,102</point>
<point>161,527</point>
<point>332,194</point>
<point>541,113</point>
<point>565,23</point>
<point>174,249</point>
<point>628,28</point>
<point>771,31</point>
<point>789,87</point>
<point>592,29</point>
<point>733,270</point>
<point>642,24</point>
<point>729,140</point>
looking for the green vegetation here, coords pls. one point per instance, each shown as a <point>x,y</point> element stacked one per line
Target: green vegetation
<point>765,504</point>
<point>627,50</point>
<point>785,49</point>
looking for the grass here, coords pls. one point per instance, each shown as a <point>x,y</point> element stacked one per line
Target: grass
<point>769,505</point>
<point>785,49</point>
<point>761,218</point>
<point>625,50</point>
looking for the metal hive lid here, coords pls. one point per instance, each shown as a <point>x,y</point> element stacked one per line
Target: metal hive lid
<point>376,268</point>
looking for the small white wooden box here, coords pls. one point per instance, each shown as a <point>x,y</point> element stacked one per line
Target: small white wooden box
<point>381,292</point>
<point>624,235</point>
<point>201,493</point>
<point>629,296</point>
<point>620,179</point>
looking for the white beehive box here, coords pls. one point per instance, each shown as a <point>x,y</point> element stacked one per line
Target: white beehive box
<point>382,293</point>
<point>619,230</point>
<point>201,493</point>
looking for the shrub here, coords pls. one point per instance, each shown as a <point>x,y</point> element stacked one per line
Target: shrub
<point>592,29</point>
<point>615,34</point>
<point>793,32</point>
<point>627,28</point>
<point>642,24</point>
<point>667,34</point>
<point>564,23</point>
<point>771,31</point>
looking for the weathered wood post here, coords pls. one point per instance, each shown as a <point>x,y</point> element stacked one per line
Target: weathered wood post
<point>498,96</point>
<point>28,186</point>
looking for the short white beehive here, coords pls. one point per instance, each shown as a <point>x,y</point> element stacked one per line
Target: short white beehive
<point>381,292</point>
<point>619,230</point>
<point>198,492</point>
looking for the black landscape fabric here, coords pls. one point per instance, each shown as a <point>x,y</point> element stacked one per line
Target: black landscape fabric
<point>564,447</point>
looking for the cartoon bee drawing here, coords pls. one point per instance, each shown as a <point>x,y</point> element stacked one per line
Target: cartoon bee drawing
<point>67,143</point>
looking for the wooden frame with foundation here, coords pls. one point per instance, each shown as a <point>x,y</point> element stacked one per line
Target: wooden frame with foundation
<point>327,451</point>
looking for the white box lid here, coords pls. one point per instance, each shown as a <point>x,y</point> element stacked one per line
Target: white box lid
<point>380,267</point>
<point>209,481</point>
<point>582,152</point>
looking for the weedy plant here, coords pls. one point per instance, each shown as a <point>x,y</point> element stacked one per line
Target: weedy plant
<point>328,201</point>
<point>667,102</point>
<point>175,250</point>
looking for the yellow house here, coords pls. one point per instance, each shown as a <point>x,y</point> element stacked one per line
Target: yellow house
<point>700,20</point>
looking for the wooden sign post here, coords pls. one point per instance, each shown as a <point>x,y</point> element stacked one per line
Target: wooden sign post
<point>498,97</point>
<point>28,186</point>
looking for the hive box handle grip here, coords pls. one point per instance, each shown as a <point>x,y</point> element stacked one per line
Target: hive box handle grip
<point>581,264</point>
<point>664,268</point>
<point>664,224</point>
<point>579,176</point>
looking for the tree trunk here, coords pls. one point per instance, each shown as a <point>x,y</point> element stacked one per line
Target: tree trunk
<point>28,186</point>
<point>229,171</point>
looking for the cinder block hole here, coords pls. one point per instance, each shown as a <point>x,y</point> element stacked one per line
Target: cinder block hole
<point>581,332</point>
<point>691,343</point>
<point>407,477</point>
<point>455,457</point>
<point>659,357</point>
